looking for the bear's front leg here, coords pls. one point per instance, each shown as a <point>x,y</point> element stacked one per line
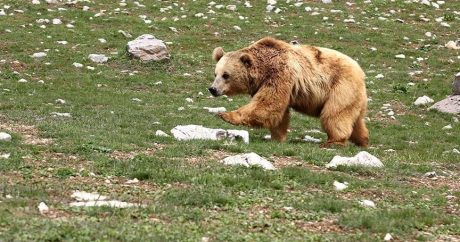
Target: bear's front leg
<point>279,132</point>
<point>231,117</point>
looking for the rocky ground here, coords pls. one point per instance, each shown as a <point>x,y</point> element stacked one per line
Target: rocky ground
<point>96,99</point>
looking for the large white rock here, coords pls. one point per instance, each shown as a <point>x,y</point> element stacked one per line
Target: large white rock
<point>423,101</point>
<point>148,48</point>
<point>5,136</point>
<point>190,132</point>
<point>86,196</point>
<point>450,105</point>
<point>249,159</point>
<point>98,58</point>
<point>361,159</point>
<point>456,85</point>
<point>454,45</point>
<point>111,203</point>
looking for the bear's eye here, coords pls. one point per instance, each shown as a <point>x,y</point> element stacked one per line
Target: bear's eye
<point>225,76</point>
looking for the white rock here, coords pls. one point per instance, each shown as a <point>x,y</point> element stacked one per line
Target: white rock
<point>135,99</point>
<point>86,196</point>
<point>35,2</point>
<point>361,159</point>
<point>388,237</point>
<point>42,208</point>
<point>98,58</point>
<point>326,1</point>
<point>234,134</point>
<point>56,21</point>
<point>133,181</point>
<point>65,115</point>
<point>160,133</point>
<point>77,65</point>
<point>249,159</point>
<point>103,41</point>
<point>60,101</point>
<point>340,186</point>
<point>147,48</point>
<point>450,105</point>
<point>237,28</point>
<point>447,127</point>
<point>349,20</point>
<point>191,132</point>
<point>5,156</point>
<point>424,100</point>
<point>215,110</point>
<point>271,2</point>
<point>22,80</point>
<point>111,203</point>
<point>379,76</point>
<point>124,33</point>
<point>231,7</point>
<point>189,100</point>
<point>367,203</point>
<point>85,8</point>
<point>454,45</point>
<point>39,55</point>
<point>5,136</point>
<point>400,56</point>
<point>308,138</point>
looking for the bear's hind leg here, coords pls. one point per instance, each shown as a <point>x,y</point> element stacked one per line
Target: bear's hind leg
<point>338,126</point>
<point>360,134</point>
<point>279,132</point>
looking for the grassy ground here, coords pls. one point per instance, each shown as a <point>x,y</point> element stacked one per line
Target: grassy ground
<point>188,195</point>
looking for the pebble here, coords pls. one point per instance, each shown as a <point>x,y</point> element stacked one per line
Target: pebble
<point>98,58</point>
<point>39,55</point>
<point>367,203</point>
<point>5,137</point>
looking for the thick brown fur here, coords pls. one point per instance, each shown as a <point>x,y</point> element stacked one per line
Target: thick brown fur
<point>316,81</point>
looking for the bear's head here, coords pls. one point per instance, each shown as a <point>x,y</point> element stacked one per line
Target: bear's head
<point>232,74</point>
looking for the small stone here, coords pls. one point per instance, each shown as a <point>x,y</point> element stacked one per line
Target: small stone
<point>5,156</point>
<point>447,127</point>
<point>363,158</point>
<point>249,159</point>
<point>65,115</point>
<point>22,80</point>
<point>60,101</point>
<point>400,56</point>
<point>56,21</point>
<point>424,100</point>
<point>133,181</point>
<point>160,133</point>
<point>5,137</point>
<point>454,45</point>
<point>379,76</point>
<point>388,237</point>
<point>147,48</point>
<point>231,7</point>
<point>43,208</point>
<point>215,110</point>
<point>98,58</point>
<point>39,55</point>
<point>124,33</point>
<point>135,99</point>
<point>237,28</point>
<point>367,203</point>
<point>189,100</point>
<point>308,138</point>
<point>430,174</point>
<point>77,65</point>
<point>340,186</point>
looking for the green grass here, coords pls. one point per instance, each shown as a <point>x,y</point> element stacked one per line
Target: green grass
<point>187,193</point>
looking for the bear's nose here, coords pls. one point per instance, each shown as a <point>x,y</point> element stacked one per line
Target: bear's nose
<point>213,91</point>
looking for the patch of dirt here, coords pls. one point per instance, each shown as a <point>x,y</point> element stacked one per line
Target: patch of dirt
<point>121,155</point>
<point>29,134</point>
<point>288,161</point>
<point>325,225</point>
<point>438,182</point>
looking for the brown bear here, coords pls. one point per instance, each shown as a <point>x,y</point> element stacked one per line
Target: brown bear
<point>316,81</point>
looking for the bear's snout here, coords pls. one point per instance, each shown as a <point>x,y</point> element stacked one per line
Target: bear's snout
<point>213,91</point>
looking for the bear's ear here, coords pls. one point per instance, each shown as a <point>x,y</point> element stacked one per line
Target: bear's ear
<point>246,59</point>
<point>218,53</point>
